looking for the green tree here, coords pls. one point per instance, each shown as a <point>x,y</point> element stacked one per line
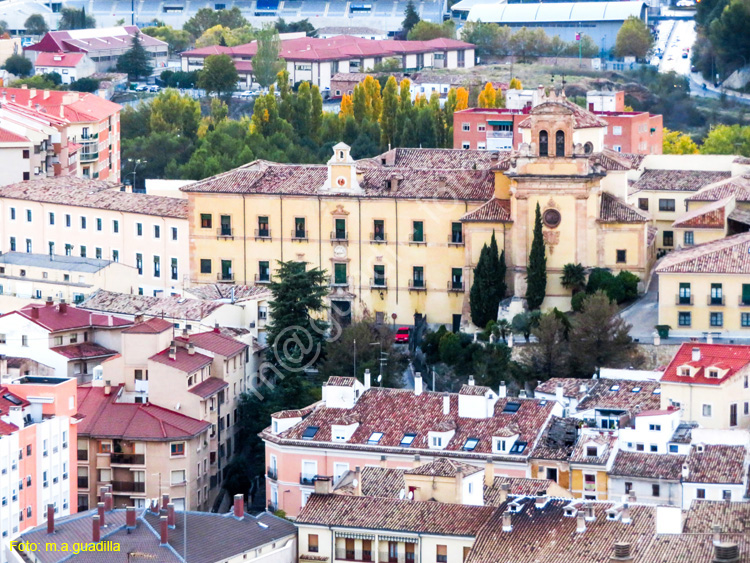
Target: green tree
<point>536,271</point>
<point>525,323</point>
<point>3,27</point>
<point>574,277</point>
<point>316,113</point>
<point>36,25</point>
<point>295,27</point>
<point>70,18</point>
<point>528,44</point>
<point>488,287</point>
<point>728,34</point>
<point>135,61</point>
<point>727,139</point>
<point>18,65</point>
<point>176,39</point>
<point>174,113</point>
<point>411,18</point>
<point>38,81</point>
<point>218,75</point>
<point>206,18</point>
<point>266,62</point>
<point>600,337</point>
<point>424,31</point>
<point>677,142</point>
<point>487,37</point>
<point>634,39</point>
<point>547,356</point>
<point>213,36</point>
<point>391,64</point>
<point>84,84</point>
<point>388,122</point>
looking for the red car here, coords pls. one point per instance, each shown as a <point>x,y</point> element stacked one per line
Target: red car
<point>402,335</point>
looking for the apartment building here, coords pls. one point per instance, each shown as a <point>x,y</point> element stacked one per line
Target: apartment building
<point>79,217</point>
<point>141,450</point>
<point>93,124</point>
<point>70,66</point>
<point>71,341</point>
<point>38,430</point>
<point>159,533</point>
<point>401,233</point>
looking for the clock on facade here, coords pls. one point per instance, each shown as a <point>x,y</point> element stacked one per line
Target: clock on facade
<point>341,181</point>
<point>551,218</point>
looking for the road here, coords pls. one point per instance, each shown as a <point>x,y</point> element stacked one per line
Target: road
<point>677,47</point>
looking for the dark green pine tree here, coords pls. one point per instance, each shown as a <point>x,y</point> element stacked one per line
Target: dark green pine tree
<point>135,61</point>
<point>489,286</point>
<point>536,271</point>
<point>411,18</point>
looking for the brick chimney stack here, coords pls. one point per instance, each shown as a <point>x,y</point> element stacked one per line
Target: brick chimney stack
<point>489,473</point>
<point>109,501</point>
<point>622,554</point>
<point>100,512</point>
<point>130,517</point>
<point>164,501</point>
<point>95,531</point>
<point>164,531</point>
<point>50,518</point>
<point>170,516</point>
<point>239,507</point>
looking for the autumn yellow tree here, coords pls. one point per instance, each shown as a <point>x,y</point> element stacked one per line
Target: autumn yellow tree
<point>486,98</point>
<point>462,99</point>
<point>515,84</point>
<point>374,100</point>
<point>347,107</point>
<point>677,142</point>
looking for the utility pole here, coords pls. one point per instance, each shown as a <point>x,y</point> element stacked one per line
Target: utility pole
<point>132,12</point>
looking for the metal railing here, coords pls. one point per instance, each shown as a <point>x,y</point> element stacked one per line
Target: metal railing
<point>332,281</point>
<point>306,479</point>
<point>225,277</point>
<point>128,459</point>
<point>129,486</point>
<point>262,233</point>
<point>262,279</point>
<point>417,285</point>
<point>343,554</point>
<point>379,283</point>
<point>683,300</point>
<point>378,238</point>
<point>457,240</point>
<point>225,232</point>
<point>417,239</point>
<point>339,236</point>
<point>88,156</point>
<point>743,302</point>
<point>299,235</point>
<point>719,301</point>
<point>273,473</point>
<point>455,286</point>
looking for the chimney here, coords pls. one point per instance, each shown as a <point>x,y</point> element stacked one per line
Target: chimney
<point>541,500</point>
<point>62,307</point>
<point>323,486</point>
<point>170,516</point>
<point>107,387</point>
<point>504,491</point>
<point>685,472</point>
<point>459,484</point>
<point>46,94</point>
<point>138,319</point>
<point>588,509</point>
<point>625,516</point>
<point>185,333</point>
<point>130,517</point>
<point>24,86</point>
<point>622,552</point>
<point>216,328</point>
<point>580,523</point>
<point>32,93</point>
<point>394,180</point>
<point>446,404</point>
<point>368,379</point>
<point>108,502</point>
<point>164,501</point>
<point>383,463</point>
<point>164,531</point>
<point>357,481</point>
<point>173,351</point>
<point>50,518</point>
<point>559,395</point>
<point>95,531</point>
<point>34,313</point>
<point>191,349</point>
<point>503,391</point>
<point>507,525</point>
<point>696,354</point>
<point>717,533</point>
<point>583,388</point>
<point>154,506</point>
<point>49,302</point>
<point>417,461</point>
<point>239,507</point>
<point>442,182</point>
<point>489,473</point>
<point>100,512</point>
<point>417,383</point>
<point>471,380</point>
<point>726,552</point>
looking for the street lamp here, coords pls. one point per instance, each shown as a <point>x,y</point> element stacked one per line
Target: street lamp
<point>137,162</point>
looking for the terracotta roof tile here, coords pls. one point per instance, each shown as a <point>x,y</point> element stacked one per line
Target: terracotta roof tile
<point>614,210</point>
<point>375,482</point>
<point>209,387</point>
<point>583,119</point>
<point>716,464</point>
<point>59,59</point>
<point>443,467</point>
<point>173,307</point>
<point>184,361</point>
<point>340,382</point>
<point>494,211</point>
<point>519,486</point>
<point>737,186</point>
<point>474,390</point>
<point>711,216</point>
<point>78,107</point>
<point>217,291</point>
<point>606,445</point>
<point>394,514</point>
<point>7,136</point>
<point>733,517</point>
<point>153,325</point>
<point>557,440</point>
<point>442,159</point>
<point>724,256</point>
<point>215,342</point>
<point>53,319</point>
<point>83,350</point>
<point>677,180</point>
<point>622,394</point>
<point>656,466</point>
<point>82,192</point>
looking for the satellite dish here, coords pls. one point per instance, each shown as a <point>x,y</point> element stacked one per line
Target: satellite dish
<point>355,483</point>
<point>402,494</point>
<point>380,378</point>
<point>411,495</point>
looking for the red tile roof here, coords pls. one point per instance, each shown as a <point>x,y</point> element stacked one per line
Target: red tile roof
<point>6,428</point>
<point>115,39</point>
<point>518,486</point>
<point>724,256</point>
<point>78,107</point>
<point>53,320</point>
<point>583,119</point>
<point>731,357</point>
<point>105,418</point>
<point>737,186</point>
<point>621,394</point>
<point>183,361</point>
<point>11,137</point>
<point>494,211</point>
<point>677,180</point>
<point>396,515</point>
<point>215,342</point>
<point>649,466</point>
<point>606,444</point>
<point>59,59</point>
<point>474,390</point>
<point>83,350</point>
<point>711,216</point>
<point>443,467</point>
<point>9,400</point>
<point>208,387</point>
<point>614,210</point>
<point>340,381</point>
<point>717,464</point>
<point>153,325</point>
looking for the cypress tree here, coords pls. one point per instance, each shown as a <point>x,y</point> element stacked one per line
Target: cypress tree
<point>536,271</point>
<point>488,287</point>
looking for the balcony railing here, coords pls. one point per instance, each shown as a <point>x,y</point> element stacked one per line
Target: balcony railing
<point>378,238</point>
<point>417,239</point>
<point>417,285</point>
<point>83,455</point>
<point>339,236</point>
<point>262,279</point>
<point>306,479</point>
<point>379,283</point>
<point>351,555</point>
<point>88,156</point>
<point>273,473</point>
<point>221,276</point>
<point>683,300</point>
<point>128,487</point>
<point>262,233</point>
<point>399,558</point>
<point>299,234</point>
<point>456,286</point>
<point>339,282</point>
<point>716,301</point>
<point>456,238</point>
<point>225,232</point>
<point>127,459</point>
<point>744,302</point>
<point>83,482</point>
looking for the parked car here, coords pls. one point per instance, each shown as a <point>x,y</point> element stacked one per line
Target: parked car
<point>684,55</point>
<point>154,88</point>
<point>402,335</point>
<point>141,88</point>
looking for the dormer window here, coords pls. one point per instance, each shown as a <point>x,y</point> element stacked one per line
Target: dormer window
<point>713,373</point>
<point>375,438</point>
<point>470,444</point>
<point>310,432</point>
<point>684,371</point>
<point>518,448</point>
<point>592,451</point>
<point>500,444</point>
<point>407,440</point>
<point>437,442</point>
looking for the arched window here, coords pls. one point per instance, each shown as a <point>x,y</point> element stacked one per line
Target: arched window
<point>543,143</point>
<point>560,143</point>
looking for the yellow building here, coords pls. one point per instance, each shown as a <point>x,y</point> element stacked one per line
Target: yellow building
<point>592,458</point>
<point>400,233</point>
<point>706,289</point>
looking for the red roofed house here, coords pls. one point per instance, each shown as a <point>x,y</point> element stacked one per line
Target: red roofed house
<point>710,383</point>
<point>37,450</point>
<point>70,340</point>
<point>202,375</point>
<point>103,46</point>
<point>317,60</point>
<point>93,123</point>
<point>140,450</point>
<point>70,66</point>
